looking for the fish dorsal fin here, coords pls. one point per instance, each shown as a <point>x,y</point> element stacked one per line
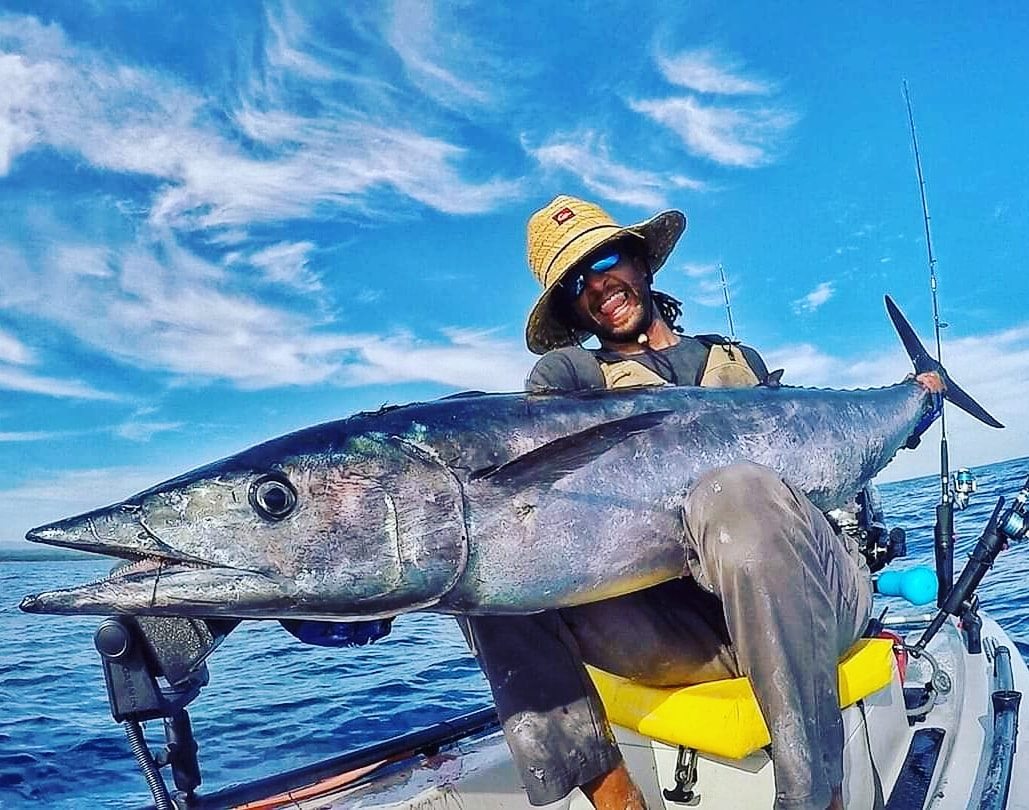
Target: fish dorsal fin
<point>554,460</point>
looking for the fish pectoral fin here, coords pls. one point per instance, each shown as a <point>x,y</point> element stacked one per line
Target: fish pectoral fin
<point>554,460</point>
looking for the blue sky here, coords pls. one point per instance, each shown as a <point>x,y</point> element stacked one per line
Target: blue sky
<point>217,226</point>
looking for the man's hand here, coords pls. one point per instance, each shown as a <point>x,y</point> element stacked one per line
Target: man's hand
<point>931,382</point>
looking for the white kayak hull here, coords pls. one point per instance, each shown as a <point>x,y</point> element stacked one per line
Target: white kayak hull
<point>956,768</point>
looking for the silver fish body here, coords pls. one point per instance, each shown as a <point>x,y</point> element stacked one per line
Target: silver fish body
<point>506,503</point>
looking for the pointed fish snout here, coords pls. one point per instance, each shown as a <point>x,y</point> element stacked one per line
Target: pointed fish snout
<point>99,531</point>
<point>44,534</point>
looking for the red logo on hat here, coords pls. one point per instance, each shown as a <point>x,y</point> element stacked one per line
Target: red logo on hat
<point>562,216</point>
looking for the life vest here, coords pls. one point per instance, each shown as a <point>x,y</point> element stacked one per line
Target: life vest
<point>726,367</point>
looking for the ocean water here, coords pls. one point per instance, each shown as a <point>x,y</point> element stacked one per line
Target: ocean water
<point>274,703</point>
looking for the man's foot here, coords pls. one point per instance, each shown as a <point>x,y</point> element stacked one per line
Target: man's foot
<point>615,790</point>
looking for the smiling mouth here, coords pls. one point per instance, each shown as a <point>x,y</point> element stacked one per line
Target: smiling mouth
<point>615,306</point>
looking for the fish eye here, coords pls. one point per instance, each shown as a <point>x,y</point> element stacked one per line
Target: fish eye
<point>273,497</point>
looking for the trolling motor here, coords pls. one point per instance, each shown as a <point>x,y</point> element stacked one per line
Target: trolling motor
<point>1004,526</point>
<point>154,667</point>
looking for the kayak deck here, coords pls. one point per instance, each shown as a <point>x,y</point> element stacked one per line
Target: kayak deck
<point>945,761</point>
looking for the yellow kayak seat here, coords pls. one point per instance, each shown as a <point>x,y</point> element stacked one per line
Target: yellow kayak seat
<point>722,717</point>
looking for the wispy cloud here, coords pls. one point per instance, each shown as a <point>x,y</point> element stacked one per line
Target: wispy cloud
<point>729,135</point>
<point>468,359</point>
<point>732,131</point>
<point>19,379</point>
<point>706,284</point>
<point>261,154</point>
<point>705,70</point>
<point>807,365</point>
<point>288,36</point>
<point>586,156</point>
<point>13,350</point>
<point>133,430</point>
<point>814,299</point>
<point>142,431</point>
<point>426,49</point>
<point>166,310</point>
<point>32,435</point>
<point>368,295</point>
<point>694,270</point>
<point>127,119</point>
<point>286,264</point>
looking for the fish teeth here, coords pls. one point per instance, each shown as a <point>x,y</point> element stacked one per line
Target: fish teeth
<point>145,564</point>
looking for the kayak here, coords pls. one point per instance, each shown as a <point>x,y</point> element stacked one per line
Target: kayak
<point>939,732</point>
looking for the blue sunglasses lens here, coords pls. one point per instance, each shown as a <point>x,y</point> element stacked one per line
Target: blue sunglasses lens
<point>577,283</point>
<point>606,263</point>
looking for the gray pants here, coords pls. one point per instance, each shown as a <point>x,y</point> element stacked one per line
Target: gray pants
<point>774,594</point>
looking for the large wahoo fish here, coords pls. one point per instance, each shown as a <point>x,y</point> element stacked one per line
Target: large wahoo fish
<point>504,503</point>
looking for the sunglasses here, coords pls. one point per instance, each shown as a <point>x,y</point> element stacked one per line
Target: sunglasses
<point>575,282</point>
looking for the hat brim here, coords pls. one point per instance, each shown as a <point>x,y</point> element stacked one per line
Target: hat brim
<point>660,233</point>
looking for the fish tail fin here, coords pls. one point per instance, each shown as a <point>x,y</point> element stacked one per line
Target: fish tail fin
<point>924,361</point>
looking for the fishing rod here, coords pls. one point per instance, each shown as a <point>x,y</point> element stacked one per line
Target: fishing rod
<point>943,532</point>
<point>728,306</point>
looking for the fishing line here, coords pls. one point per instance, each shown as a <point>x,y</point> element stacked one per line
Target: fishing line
<point>933,284</point>
<point>728,306</point>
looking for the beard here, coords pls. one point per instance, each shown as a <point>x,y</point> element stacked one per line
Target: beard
<point>594,315</point>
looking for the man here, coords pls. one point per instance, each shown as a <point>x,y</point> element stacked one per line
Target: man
<point>750,538</point>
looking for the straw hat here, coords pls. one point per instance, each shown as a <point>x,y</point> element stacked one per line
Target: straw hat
<point>562,233</point>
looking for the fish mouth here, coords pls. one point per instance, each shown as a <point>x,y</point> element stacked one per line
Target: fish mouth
<point>145,580</point>
<point>151,586</point>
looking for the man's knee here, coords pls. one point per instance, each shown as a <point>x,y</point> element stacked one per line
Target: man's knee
<point>724,487</point>
<point>744,499</point>
<point>743,518</point>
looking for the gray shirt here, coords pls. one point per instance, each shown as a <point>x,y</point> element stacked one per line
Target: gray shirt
<point>574,368</point>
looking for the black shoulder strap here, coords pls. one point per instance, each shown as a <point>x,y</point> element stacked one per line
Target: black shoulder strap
<point>712,339</point>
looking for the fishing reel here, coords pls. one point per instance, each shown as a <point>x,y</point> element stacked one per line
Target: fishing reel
<point>1014,523</point>
<point>962,487</point>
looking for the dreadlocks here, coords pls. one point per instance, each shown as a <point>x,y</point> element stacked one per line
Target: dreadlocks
<point>669,308</point>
